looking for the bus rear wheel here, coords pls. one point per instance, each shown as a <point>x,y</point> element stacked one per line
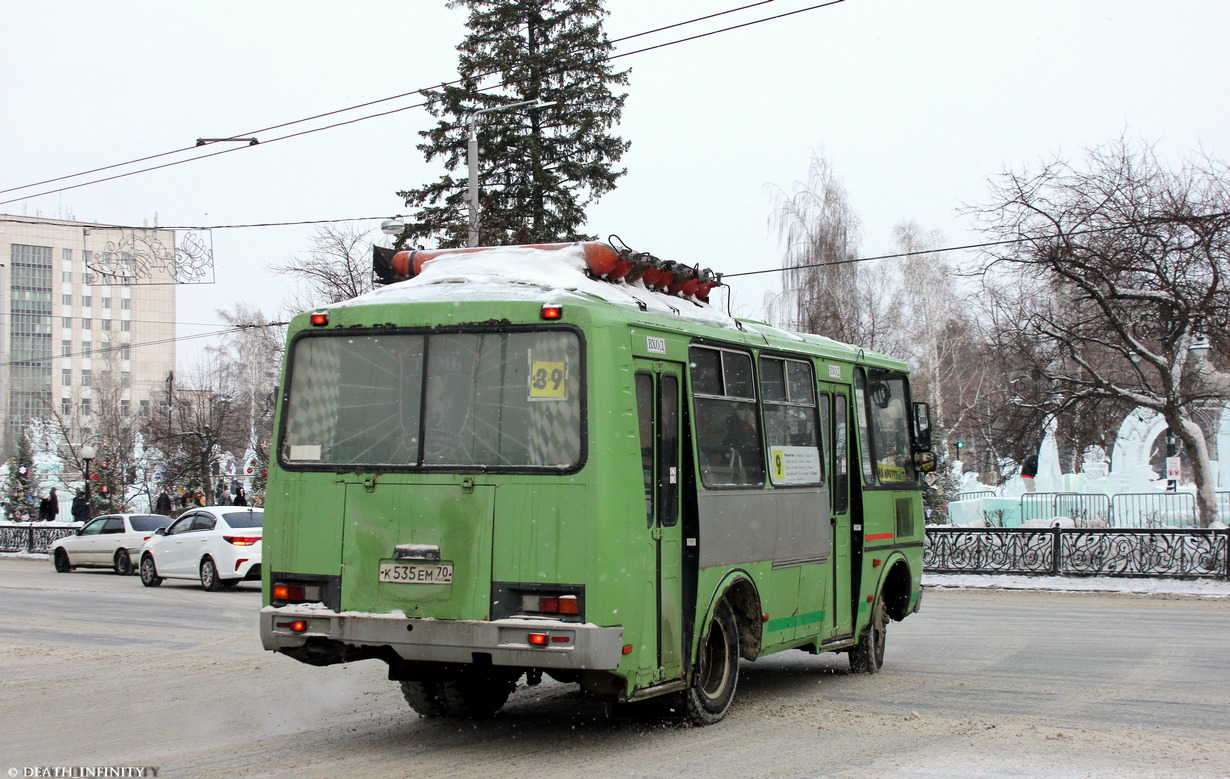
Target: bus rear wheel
<point>867,657</point>
<point>471,693</point>
<point>717,670</point>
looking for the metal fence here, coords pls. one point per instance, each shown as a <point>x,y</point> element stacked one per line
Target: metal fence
<point>1154,509</point>
<point>1171,552</point>
<point>1095,510</point>
<point>975,495</point>
<point>32,538</point>
<point>1084,508</point>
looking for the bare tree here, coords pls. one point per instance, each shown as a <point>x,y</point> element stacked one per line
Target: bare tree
<point>204,422</point>
<point>251,355</point>
<point>1128,263</point>
<point>100,415</point>
<point>337,267</point>
<point>826,291</point>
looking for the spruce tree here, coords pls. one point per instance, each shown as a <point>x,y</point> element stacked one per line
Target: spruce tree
<point>539,168</point>
<point>21,484</point>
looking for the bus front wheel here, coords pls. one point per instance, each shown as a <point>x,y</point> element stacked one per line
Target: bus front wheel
<point>717,670</point>
<point>867,657</point>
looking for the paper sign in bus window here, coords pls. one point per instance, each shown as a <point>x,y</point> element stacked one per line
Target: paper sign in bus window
<point>794,464</point>
<point>548,380</point>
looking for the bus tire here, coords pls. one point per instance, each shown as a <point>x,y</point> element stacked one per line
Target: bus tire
<point>424,698</point>
<point>477,694</point>
<point>717,670</point>
<point>867,657</point>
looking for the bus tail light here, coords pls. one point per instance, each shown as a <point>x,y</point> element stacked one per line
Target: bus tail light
<point>294,626</point>
<point>537,639</point>
<point>295,593</point>
<point>319,318</point>
<point>550,311</point>
<point>550,604</point>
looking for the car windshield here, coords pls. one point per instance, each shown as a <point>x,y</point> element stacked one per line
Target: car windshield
<point>237,519</point>
<point>147,523</point>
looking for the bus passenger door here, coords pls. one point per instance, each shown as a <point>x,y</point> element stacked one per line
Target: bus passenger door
<point>835,421</point>
<point>657,402</point>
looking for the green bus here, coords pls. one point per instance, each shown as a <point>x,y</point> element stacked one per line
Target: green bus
<point>560,459</point>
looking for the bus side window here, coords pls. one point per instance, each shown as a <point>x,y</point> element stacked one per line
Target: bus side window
<point>841,455</point>
<point>644,418</point>
<point>864,428</point>
<point>727,419</point>
<point>788,397</point>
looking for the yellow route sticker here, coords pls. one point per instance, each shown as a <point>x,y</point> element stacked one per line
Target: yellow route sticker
<point>548,380</point>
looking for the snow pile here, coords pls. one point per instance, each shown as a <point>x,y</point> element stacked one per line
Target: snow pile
<point>521,273</point>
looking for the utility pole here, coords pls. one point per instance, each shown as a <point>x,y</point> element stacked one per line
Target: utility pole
<point>472,159</point>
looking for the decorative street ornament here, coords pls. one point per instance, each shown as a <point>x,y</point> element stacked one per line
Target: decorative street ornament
<point>139,256</point>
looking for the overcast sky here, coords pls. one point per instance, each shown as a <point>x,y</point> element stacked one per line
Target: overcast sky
<point>914,102</point>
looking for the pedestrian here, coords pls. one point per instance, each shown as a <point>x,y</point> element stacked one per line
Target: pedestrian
<point>55,505</point>
<point>218,490</point>
<point>1029,470</point>
<point>80,509</point>
<point>163,506</point>
<point>44,509</point>
<point>240,498</point>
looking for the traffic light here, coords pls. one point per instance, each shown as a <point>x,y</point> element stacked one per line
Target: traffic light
<point>960,445</point>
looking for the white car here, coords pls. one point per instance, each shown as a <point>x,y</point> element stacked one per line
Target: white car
<point>110,541</point>
<point>219,545</point>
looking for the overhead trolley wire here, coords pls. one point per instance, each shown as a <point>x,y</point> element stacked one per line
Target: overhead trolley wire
<point>375,102</point>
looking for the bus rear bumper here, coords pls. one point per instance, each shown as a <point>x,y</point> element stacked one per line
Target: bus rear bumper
<point>525,643</point>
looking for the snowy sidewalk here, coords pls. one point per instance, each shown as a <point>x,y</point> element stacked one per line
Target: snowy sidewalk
<point>1204,588</point>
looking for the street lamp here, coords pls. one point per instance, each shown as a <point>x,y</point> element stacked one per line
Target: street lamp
<point>87,454</point>
<point>473,158</point>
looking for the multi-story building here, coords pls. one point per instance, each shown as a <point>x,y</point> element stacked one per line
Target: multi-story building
<point>90,320</point>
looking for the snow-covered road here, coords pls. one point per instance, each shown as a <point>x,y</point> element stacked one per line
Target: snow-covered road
<point>100,671</point>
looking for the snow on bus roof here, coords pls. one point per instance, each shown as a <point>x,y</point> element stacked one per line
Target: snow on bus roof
<point>522,273</point>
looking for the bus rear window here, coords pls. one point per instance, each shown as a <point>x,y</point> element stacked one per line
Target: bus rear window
<point>499,400</point>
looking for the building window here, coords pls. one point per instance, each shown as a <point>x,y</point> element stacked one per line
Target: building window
<point>66,377</point>
<point>106,302</point>
<point>86,348</point>
<point>85,407</point>
<point>85,301</point>
<point>106,324</point>
<point>87,278</point>
<point>126,281</point>
<point>145,408</point>
<point>125,304</point>
<point>85,378</point>
<point>66,322</point>
<point>66,254</point>
<point>66,348</point>
<point>67,277</point>
<point>66,406</point>
<point>85,323</point>
<point>124,352</point>
<point>125,325</point>
<point>125,379</point>
<point>124,408</point>
<point>67,299</point>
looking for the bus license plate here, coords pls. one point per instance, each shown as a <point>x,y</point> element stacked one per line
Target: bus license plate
<point>417,573</point>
